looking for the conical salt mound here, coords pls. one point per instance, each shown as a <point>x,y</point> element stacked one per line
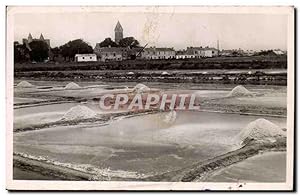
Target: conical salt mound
<point>170,117</point>
<point>24,84</point>
<point>79,113</point>
<point>239,91</point>
<point>141,88</point>
<point>260,130</point>
<point>72,85</point>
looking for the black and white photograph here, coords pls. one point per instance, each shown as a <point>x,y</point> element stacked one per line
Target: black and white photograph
<point>150,98</point>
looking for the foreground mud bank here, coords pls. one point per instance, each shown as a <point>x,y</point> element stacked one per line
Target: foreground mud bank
<point>47,170</point>
<point>201,170</point>
<point>254,169</point>
<point>196,172</point>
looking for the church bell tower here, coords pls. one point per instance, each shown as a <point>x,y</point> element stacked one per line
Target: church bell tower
<point>118,32</point>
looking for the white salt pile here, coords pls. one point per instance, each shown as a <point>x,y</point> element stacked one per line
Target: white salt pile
<point>72,85</point>
<point>239,91</point>
<point>141,88</point>
<point>164,73</point>
<point>260,130</point>
<point>170,117</point>
<point>24,84</point>
<point>78,113</point>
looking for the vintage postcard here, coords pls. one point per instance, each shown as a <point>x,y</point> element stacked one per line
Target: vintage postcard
<point>150,98</point>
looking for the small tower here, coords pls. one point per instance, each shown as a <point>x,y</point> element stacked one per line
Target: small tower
<point>118,32</point>
<point>29,38</point>
<point>42,37</point>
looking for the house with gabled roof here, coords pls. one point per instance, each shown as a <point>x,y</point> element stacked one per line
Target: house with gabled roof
<point>203,51</point>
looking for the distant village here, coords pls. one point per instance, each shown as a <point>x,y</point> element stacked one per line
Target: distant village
<point>128,48</point>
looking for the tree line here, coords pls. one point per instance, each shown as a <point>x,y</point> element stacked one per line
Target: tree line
<point>39,51</point>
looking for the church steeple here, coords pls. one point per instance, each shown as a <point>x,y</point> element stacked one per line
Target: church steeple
<point>118,27</point>
<point>118,32</point>
<point>42,37</point>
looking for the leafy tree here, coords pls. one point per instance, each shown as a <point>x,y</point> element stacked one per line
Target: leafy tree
<point>21,53</point>
<point>267,53</point>
<point>55,52</point>
<point>236,53</point>
<point>108,42</point>
<point>77,46</point>
<point>129,42</point>
<point>39,51</point>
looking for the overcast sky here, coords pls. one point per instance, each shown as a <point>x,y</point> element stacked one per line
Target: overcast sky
<point>178,30</point>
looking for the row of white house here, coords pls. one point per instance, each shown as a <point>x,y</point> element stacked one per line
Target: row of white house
<point>118,54</point>
<point>197,52</point>
<point>158,53</point>
<point>85,57</point>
